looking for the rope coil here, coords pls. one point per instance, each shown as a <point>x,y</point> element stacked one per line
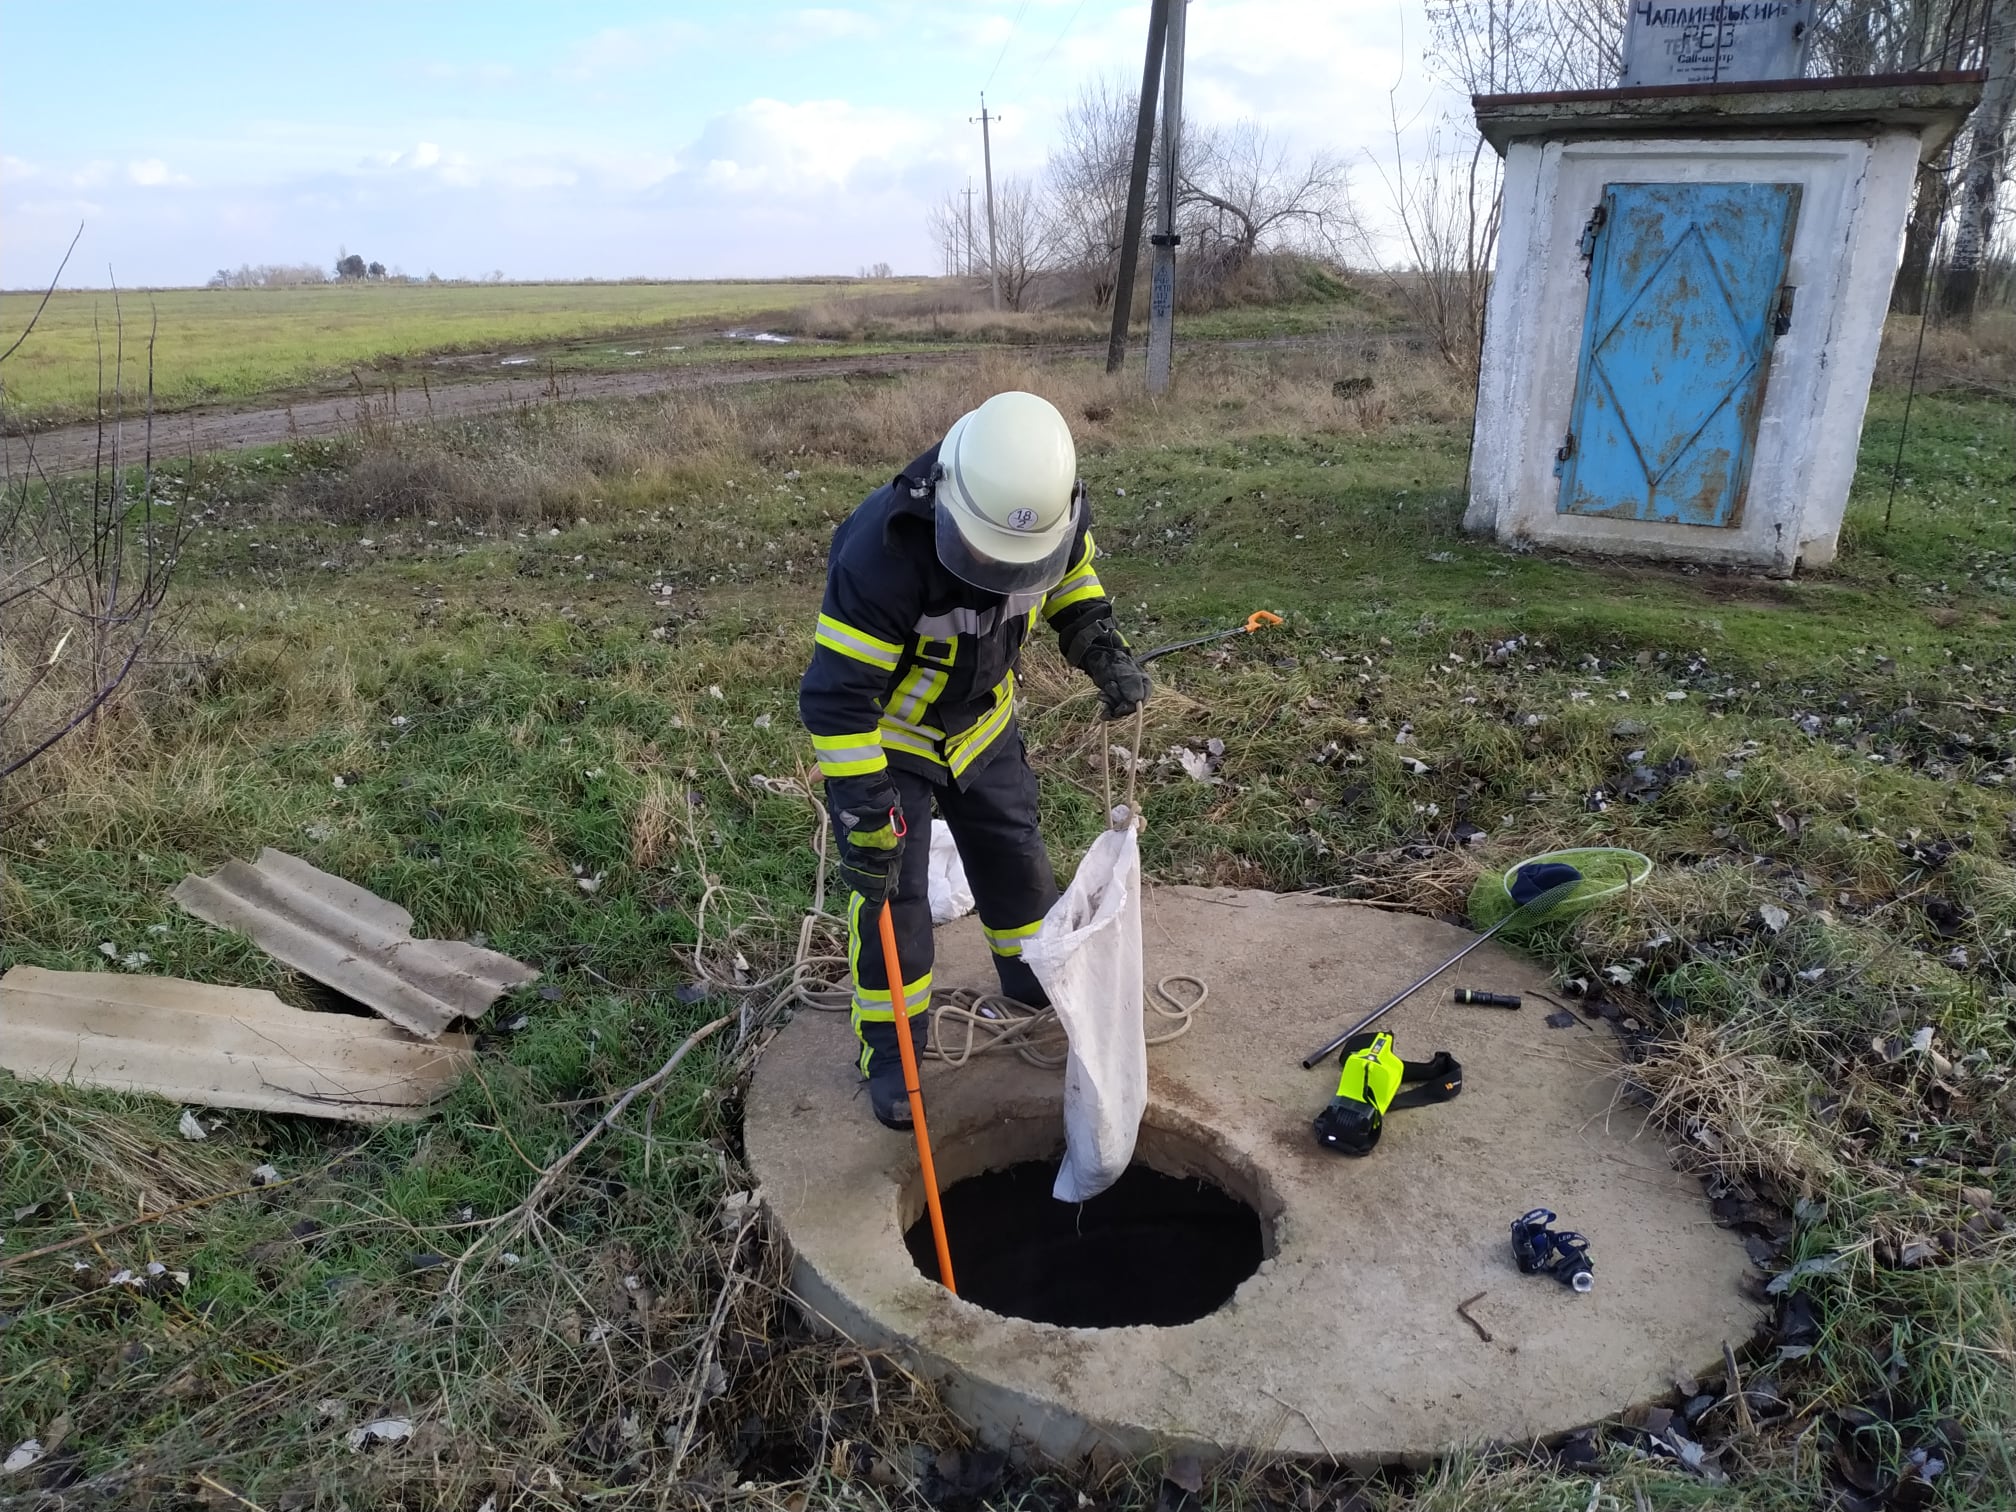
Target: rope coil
<point>981,1023</point>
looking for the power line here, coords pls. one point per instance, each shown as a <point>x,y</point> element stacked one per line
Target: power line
<point>1059,38</point>
<point>1005,41</point>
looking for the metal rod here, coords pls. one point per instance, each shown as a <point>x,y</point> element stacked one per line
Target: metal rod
<point>1544,902</point>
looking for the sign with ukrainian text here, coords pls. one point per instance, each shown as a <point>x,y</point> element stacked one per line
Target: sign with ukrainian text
<point>1718,43</point>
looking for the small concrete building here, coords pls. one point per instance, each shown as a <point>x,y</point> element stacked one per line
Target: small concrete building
<point>1690,292</point>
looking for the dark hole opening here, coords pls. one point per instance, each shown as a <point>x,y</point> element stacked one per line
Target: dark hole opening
<point>1151,1249</point>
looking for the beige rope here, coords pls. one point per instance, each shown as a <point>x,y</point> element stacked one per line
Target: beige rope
<point>983,1022</point>
<point>990,1021</point>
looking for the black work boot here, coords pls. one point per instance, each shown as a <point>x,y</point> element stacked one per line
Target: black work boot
<point>887,1095</point>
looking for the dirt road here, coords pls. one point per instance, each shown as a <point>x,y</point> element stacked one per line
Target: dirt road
<point>74,448</point>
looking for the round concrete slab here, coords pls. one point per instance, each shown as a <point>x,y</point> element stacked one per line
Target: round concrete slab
<point>1347,1342</point>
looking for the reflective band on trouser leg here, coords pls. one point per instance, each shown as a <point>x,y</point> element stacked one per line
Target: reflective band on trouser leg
<point>875,1005</point>
<point>837,635</point>
<point>1008,942</point>
<point>849,755</point>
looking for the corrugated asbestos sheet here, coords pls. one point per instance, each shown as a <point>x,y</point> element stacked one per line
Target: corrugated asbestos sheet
<point>352,940</point>
<point>218,1047</point>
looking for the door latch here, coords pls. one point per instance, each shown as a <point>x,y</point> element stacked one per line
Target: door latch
<point>1781,312</point>
<point>1563,452</point>
<point>1597,218</point>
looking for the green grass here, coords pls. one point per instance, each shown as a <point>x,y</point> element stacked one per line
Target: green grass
<point>220,345</point>
<point>507,705</point>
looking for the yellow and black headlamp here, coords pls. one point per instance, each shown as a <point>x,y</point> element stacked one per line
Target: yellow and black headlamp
<point>1376,1081</point>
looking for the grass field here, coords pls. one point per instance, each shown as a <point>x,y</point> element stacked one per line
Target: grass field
<point>565,643</point>
<point>237,344</point>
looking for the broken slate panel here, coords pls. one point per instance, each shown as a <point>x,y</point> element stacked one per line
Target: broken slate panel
<point>217,1047</point>
<point>352,940</point>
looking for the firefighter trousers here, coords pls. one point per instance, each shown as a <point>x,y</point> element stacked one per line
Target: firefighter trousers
<point>993,822</point>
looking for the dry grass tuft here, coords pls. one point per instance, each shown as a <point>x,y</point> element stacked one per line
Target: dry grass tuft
<point>1739,1110</point>
<point>1980,356</point>
<point>564,462</point>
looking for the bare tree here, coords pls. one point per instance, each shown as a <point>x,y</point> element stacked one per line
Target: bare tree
<point>1021,249</point>
<point>1086,185</point>
<point>1989,157</point>
<point>85,569</point>
<point>1525,46</point>
<point>1244,192</point>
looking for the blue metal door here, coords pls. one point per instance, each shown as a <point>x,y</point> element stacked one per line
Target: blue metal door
<point>1686,293</point>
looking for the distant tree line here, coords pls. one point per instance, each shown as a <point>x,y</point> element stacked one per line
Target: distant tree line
<point>349,267</point>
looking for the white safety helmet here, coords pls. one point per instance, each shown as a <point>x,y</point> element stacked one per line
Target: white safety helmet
<point>1008,499</point>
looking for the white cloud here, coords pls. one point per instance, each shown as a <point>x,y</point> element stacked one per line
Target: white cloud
<point>152,173</point>
<point>426,155</point>
<point>822,23</point>
<point>771,147</point>
<point>626,49</point>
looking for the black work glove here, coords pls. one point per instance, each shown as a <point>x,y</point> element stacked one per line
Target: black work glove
<point>1097,648</point>
<point>868,819</point>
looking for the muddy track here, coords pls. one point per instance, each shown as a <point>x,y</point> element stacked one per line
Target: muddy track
<point>76,448</point>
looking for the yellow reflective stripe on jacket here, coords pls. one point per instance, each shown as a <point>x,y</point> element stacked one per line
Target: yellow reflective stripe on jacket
<point>1008,942</point>
<point>917,691</point>
<point>849,755</point>
<point>912,739</point>
<point>1078,585</point>
<point>836,635</point>
<point>963,749</point>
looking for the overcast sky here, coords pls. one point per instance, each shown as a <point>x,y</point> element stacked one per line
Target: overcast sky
<point>602,139</point>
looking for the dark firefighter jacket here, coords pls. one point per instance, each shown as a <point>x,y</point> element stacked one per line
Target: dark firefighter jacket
<point>913,666</point>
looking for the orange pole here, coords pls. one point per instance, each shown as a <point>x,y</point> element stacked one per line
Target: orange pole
<point>908,1051</point>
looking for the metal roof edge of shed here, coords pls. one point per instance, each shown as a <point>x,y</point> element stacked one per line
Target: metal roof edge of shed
<point>1933,104</point>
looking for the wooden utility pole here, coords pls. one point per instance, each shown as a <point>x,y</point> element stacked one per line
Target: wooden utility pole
<point>1162,279</point>
<point>1137,188</point>
<point>987,159</point>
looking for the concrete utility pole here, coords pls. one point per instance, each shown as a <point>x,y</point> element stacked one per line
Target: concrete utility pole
<point>987,159</point>
<point>1137,188</point>
<point>969,225</point>
<point>1162,281</point>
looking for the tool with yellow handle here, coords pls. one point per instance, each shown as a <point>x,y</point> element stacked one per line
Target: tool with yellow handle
<point>1254,621</point>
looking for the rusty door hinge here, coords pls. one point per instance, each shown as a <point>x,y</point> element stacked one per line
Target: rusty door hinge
<point>1781,312</point>
<point>1563,452</point>
<point>1592,229</point>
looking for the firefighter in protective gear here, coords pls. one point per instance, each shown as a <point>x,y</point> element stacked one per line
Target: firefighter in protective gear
<point>933,585</point>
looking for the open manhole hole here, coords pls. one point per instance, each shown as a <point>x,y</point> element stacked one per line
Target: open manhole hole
<point>1152,1249</point>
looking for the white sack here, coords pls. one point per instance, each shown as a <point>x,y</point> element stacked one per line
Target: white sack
<point>1087,955</point>
<point>950,896</point>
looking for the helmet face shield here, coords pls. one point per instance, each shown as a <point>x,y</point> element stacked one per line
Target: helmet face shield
<point>970,564</point>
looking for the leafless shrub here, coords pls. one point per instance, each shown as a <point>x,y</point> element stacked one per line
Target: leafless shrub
<point>85,571</point>
<point>1446,206</point>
